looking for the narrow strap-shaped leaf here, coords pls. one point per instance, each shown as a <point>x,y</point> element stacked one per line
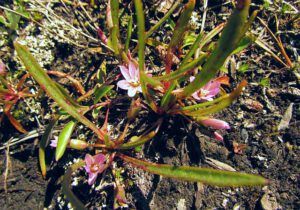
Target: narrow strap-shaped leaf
<point>63,139</point>
<point>102,91</point>
<point>193,48</point>
<point>208,37</point>
<point>129,32</point>
<point>141,33</point>
<point>43,143</point>
<point>231,36</point>
<point>66,186</point>
<point>163,19</point>
<point>114,5</point>
<point>51,88</point>
<point>182,23</point>
<point>183,69</point>
<point>142,139</point>
<point>179,31</point>
<point>141,51</point>
<point>195,174</point>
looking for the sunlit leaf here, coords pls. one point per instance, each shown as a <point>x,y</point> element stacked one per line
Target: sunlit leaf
<point>63,139</point>
<point>102,91</point>
<point>232,34</point>
<point>51,88</point>
<point>195,174</point>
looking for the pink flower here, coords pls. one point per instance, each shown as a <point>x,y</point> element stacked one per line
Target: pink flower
<point>54,142</point>
<point>215,123</point>
<point>94,165</point>
<point>131,81</point>
<point>207,92</point>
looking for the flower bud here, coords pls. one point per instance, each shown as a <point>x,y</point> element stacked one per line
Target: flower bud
<point>78,144</point>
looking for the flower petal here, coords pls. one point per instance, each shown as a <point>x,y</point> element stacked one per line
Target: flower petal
<point>139,89</point>
<point>133,71</point>
<point>53,143</point>
<point>215,123</point>
<point>132,91</point>
<point>99,158</point>
<point>89,160</point>
<point>196,96</point>
<point>125,72</point>
<point>192,78</point>
<point>92,178</point>
<point>124,84</point>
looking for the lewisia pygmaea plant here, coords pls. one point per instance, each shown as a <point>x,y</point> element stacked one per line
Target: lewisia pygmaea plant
<point>190,89</point>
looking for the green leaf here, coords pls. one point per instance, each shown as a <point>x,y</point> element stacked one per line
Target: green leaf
<point>244,43</point>
<point>129,32</point>
<point>52,89</point>
<point>136,141</point>
<point>182,24</point>
<point>43,143</point>
<point>195,174</point>
<point>162,20</point>
<point>102,91</point>
<point>141,33</point>
<point>66,186</point>
<point>63,139</point>
<point>243,68</point>
<point>265,82</point>
<point>194,47</point>
<point>115,33</point>
<point>13,20</point>
<point>183,69</point>
<point>234,31</point>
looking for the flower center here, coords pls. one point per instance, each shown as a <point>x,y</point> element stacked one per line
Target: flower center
<point>95,167</point>
<point>203,92</point>
<point>134,83</point>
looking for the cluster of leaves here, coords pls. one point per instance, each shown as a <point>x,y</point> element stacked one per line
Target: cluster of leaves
<point>191,81</point>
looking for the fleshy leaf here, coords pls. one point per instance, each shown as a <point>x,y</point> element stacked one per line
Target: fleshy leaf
<point>102,91</point>
<point>51,88</point>
<point>63,139</point>
<point>196,174</point>
<point>43,143</point>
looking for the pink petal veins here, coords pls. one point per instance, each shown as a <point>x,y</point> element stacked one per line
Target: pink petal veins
<point>89,160</point>
<point>133,71</point>
<point>125,72</point>
<point>124,84</point>
<point>99,158</point>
